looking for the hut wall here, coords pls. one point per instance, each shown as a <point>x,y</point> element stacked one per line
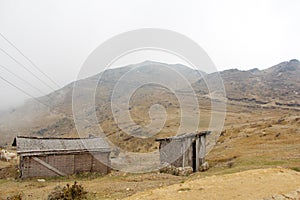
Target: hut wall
<point>171,152</point>
<point>31,168</point>
<point>83,162</point>
<point>66,163</point>
<point>101,162</point>
<point>188,154</point>
<point>184,150</point>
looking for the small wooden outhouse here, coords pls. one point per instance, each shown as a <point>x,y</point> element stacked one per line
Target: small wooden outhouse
<point>184,150</point>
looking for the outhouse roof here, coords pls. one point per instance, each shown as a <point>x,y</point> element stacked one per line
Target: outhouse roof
<point>185,135</point>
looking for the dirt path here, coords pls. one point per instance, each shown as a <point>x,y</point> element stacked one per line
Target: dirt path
<point>252,184</point>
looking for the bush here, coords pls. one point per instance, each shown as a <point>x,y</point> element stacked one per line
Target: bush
<point>297,169</point>
<point>73,192</point>
<point>15,197</point>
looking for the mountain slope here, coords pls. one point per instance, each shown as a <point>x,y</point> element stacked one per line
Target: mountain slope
<point>56,118</point>
<point>277,85</point>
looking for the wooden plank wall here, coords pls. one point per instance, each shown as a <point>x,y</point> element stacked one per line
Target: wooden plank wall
<point>67,164</point>
<point>172,151</point>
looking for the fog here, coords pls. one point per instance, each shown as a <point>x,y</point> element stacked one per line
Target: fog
<point>59,35</point>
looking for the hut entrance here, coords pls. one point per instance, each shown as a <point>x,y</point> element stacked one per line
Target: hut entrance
<point>194,155</point>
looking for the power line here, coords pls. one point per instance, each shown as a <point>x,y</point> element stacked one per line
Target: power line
<point>53,110</point>
<point>31,85</point>
<point>27,69</point>
<point>33,64</point>
<point>36,99</point>
<point>20,89</point>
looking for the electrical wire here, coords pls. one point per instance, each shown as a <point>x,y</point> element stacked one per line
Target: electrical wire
<point>26,69</point>
<point>23,91</point>
<point>33,64</point>
<point>19,77</point>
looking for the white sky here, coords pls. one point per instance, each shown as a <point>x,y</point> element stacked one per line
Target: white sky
<point>58,35</point>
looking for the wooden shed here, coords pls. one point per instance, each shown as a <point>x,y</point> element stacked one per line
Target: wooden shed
<point>40,157</point>
<point>184,150</point>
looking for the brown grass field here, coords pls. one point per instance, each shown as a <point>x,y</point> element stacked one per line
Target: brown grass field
<point>254,138</point>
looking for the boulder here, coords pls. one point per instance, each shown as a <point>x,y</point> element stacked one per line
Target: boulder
<point>204,167</point>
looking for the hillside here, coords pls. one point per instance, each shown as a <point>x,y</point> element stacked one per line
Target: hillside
<point>55,119</point>
<point>278,85</point>
<point>258,136</point>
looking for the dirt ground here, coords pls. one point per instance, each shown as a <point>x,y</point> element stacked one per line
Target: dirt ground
<point>252,184</point>
<point>279,183</point>
<point>116,185</point>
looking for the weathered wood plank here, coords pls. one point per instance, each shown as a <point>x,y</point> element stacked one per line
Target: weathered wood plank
<point>202,149</point>
<point>49,166</point>
<point>183,153</point>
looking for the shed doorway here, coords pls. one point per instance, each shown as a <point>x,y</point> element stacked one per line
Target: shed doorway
<point>194,156</point>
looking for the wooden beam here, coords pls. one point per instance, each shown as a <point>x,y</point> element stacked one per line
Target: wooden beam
<point>197,154</point>
<point>21,166</point>
<point>202,148</point>
<point>183,153</point>
<point>49,166</point>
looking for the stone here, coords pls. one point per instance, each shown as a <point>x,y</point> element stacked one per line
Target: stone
<point>185,171</point>
<point>180,171</point>
<point>169,169</point>
<point>204,167</point>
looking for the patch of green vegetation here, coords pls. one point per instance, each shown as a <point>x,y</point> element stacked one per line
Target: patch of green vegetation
<point>247,163</point>
<point>3,181</point>
<point>297,169</point>
<point>261,161</point>
<point>87,176</point>
<point>275,162</point>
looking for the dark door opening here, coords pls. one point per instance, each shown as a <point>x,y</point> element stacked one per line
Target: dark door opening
<point>194,155</point>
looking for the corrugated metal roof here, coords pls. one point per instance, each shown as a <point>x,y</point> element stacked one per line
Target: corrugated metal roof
<point>185,135</point>
<point>34,145</point>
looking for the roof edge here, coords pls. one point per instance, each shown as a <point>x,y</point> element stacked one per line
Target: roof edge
<point>185,135</point>
<point>55,138</point>
<point>62,151</point>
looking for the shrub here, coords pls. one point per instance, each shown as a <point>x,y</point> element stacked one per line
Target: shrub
<point>297,169</point>
<point>15,197</point>
<point>73,192</point>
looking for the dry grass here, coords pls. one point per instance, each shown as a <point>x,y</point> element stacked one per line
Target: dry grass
<point>252,139</point>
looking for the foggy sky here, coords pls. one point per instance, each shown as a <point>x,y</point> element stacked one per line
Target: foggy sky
<point>59,35</point>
